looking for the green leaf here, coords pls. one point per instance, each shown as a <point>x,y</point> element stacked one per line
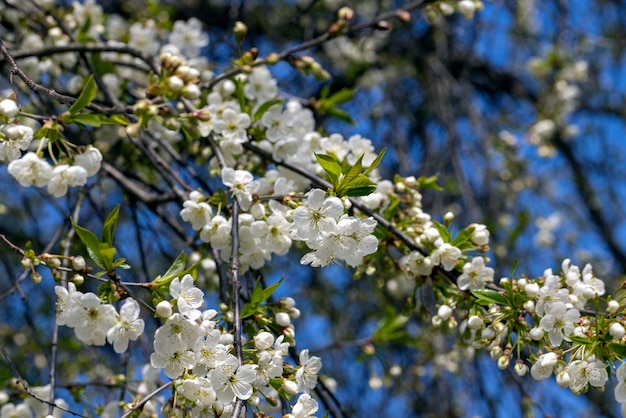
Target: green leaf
<point>109,226</point>
<point>618,349</point>
<point>102,67</point>
<point>90,119</point>
<point>582,340</point>
<point>376,161</point>
<point>463,236</point>
<point>352,173</point>
<point>391,328</point>
<point>342,96</point>
<point>340,114</point>
<point>429,183</point>
<point>488,296</point>
<point>239,94</point>
<point>442,231</point>
<point>259,295</point>
<point>108,255</point>
<point>360,186</point>
<point>114,120</point>
<point>175,270</point>
<point>91,241</point>
<point>331,166</point>
<point>265,107</point>
<point>86,96</point>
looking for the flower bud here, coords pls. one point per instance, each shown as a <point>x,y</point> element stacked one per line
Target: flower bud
<point>496,352</point>
<point>529,305</point>
<point>290,387</point>
<point>612,307</point>
<point>263,340</point>
<point>282,319</point>
<point>475,322</point>
<point>78,263</point>
<point>345,13</point>
<point>487,333</point>
<point>36,277</point>
<point>503,362</point>
<point>240,30</point>
<point>563,379</point>
<point>8,108</point>
<point>536,334</point>
<point>520,369</point>
<point>164,309</point>
<point>78,279</point>
<point>444,312</point>
<point>617,330</point>
<point>191,91</point>
<point>532,290</point>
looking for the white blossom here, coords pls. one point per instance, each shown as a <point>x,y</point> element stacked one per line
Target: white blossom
<point>30,170</point>
<point>129,326</point>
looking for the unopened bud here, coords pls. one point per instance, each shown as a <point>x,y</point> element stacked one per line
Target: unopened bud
<point>164,309</point>
<point>503,362</point>
<point>563,379</point>
<point>383,25</point>
<point>282,319</point>
<point>520,369</point>
<point>78,279</point>
<point>444,312</point>
<point>612,307</point>
<point>240,30</point>
<point>496,352</point>
<point>404,16</point>
<point>78,263</point>
<point>345,13</point>
<point>290,386</point>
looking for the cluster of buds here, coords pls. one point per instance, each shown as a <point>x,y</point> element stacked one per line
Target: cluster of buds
<point>309,66</point>
<point>176,79</point>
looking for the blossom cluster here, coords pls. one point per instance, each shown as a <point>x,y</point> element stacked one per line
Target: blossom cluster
<point>94,321</point>
<point>193,349</point>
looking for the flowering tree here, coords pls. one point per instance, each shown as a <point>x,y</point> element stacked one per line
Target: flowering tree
<point>169,186</point>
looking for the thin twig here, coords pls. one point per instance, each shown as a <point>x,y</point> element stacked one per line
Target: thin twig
<point>26,387</point>
<point>148,397</point>
<point>325,37</point>
<point>42,90</point>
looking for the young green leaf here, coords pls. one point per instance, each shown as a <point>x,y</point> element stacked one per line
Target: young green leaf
<point>91,241</point>
<point>376,161</point>
<point>331,166</point>
<point>265,107</point>
<point>360,186</point>
<point>86,96</point>
<point>488,296</point>
<point>90,119</point>
<point>109,226</point>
